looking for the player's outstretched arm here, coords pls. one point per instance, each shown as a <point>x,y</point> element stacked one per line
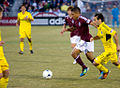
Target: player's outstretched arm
<point>68,29</point>
<point>1,43</point>
<point>94,38</point>
<point>63,29</point>
<point>93,24</point>
<point>17,23</point>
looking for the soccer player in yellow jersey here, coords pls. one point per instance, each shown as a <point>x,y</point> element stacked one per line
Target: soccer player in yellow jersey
<point>106,34</point>
<point>4,67</point>
<point>24,19</point>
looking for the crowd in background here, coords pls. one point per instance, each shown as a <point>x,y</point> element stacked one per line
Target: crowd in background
<point>62,5</point>
<point>58,6</point>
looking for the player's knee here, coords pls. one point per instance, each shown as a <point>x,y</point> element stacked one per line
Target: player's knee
<point>96,64</point>
<point>73,45</point>
<point>6,74</point>
<point>29,39</point>
<point>72,54</point>
<point>115,63</point>
<point>22,39</point>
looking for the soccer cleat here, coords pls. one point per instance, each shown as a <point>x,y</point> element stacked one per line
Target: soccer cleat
<point>104,75</point>
<point>101,73</point>
<point>31,51</point>
<point>74,62</point>
<point>21,52</point>
<point>84,72</point>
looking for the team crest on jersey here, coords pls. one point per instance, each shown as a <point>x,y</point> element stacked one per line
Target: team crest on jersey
<point>111,31</point>
<point>101,32</point>
<point>72,21</point>
<point>79,24</point>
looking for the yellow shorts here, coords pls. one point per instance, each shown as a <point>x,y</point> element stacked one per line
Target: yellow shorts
<point>105,57</point>
<point>24,34</point>
<point>3,65</point>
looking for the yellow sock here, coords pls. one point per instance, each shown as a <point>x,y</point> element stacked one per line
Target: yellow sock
<point>22,46</point>
<point>118,66</point>
<point>102,68</point>
<point>4,82</point>
<point>30,45</point>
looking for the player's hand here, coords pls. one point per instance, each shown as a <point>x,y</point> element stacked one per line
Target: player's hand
<point>17,24</point>
<point>118,48</point>
<point>26,18</point>
<point>1,43</point>
<point>63,30</point>
<point>91,39</point>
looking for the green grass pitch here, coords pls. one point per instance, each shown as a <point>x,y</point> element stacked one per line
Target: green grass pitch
<point>52,51</point>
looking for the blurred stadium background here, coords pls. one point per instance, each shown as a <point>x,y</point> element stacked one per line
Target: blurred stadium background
<point>52,12</point>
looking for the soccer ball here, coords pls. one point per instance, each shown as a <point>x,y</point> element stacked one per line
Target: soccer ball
<point>47,74</point>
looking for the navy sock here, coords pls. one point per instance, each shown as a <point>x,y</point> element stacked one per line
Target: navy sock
<point>80,62</point>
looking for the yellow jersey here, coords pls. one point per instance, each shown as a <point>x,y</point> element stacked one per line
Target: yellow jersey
<point>1,49</point>
<point>25,24</point>
<point>106,35</point>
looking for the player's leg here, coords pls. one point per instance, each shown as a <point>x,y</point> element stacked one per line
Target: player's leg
<point>22,36</point>
<point>98,64</point>
<point>117,20</point>
<point>28,34</point>
<point>4,79</point>
<point>21,45</point>
<point>73,45</point>
<point>113,22</point>
<point>114,60</point>
<point>80,47</point>
<point>1,74</point>
<point>76,56</point>
<point>5,72</point>
<point>30,45</point>
<point>74,40</point>
<point>89,53</point>
<point>90,56</point>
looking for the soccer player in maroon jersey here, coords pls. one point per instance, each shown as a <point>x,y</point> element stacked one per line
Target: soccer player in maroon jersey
<point>81,23</point>
<point>74,37</point>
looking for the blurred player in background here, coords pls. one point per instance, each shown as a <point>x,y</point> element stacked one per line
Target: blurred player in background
<point>106,34</point>
<point>24,19</point>
<point>115,16</point>
<point>74,37</point>
<point>4,67</point>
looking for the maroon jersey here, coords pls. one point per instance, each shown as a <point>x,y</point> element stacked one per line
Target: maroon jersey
<point>70,22</point>
<point>82,25</point>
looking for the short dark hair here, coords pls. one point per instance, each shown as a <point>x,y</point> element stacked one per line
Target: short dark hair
<point>23,5</point>
<point>99,16</point>
<point>76,9</point>
<point>1,9</point>
<point>70,8</point>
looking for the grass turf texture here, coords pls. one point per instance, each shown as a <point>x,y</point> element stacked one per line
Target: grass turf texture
<point>52,51</point>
